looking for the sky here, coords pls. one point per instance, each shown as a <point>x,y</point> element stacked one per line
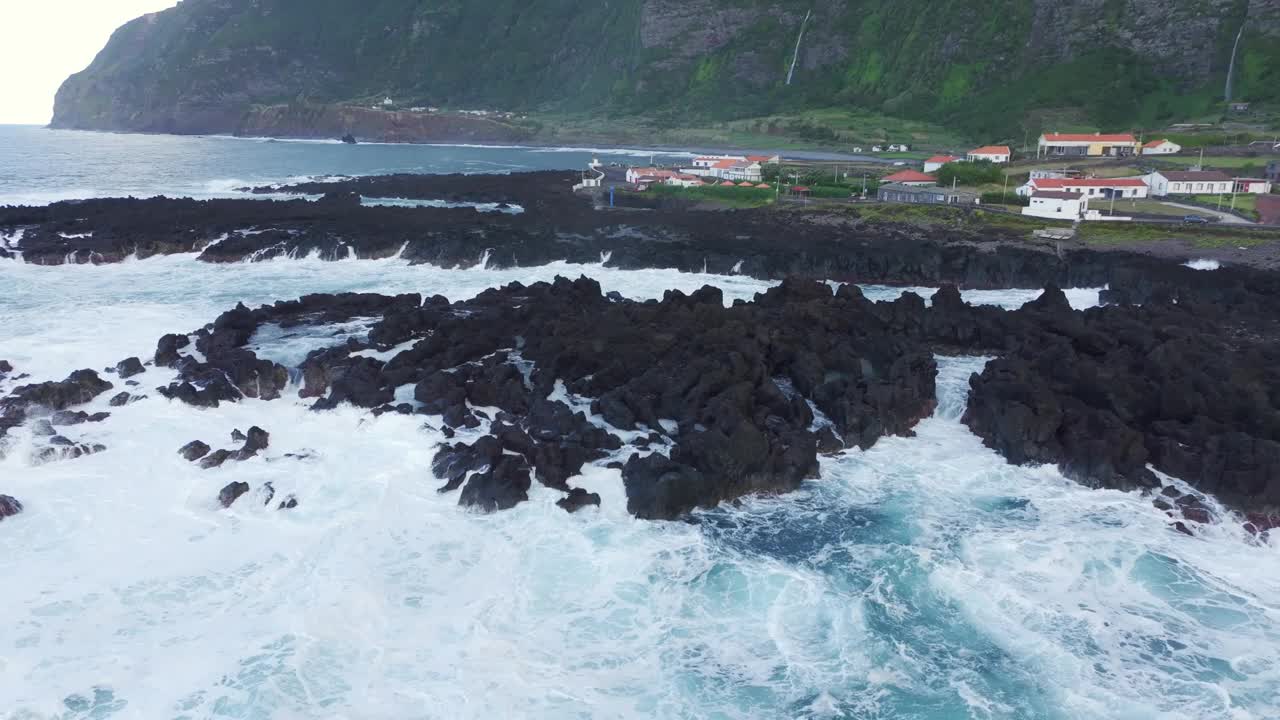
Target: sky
<point>44,41</point>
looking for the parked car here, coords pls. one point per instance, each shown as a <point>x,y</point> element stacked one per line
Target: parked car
<point>1194,220</point>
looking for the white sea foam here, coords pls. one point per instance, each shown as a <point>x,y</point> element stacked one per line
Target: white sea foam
<point>1203,264</point>
<point>924,577</point>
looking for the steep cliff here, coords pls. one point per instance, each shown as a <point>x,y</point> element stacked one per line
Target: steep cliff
<point>211,65</point>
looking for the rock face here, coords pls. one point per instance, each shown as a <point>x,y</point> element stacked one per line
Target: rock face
<point>224,65</point>
<point>9,506</point>
<point>1107,392</point>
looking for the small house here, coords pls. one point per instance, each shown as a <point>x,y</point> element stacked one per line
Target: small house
<point>911,177</point>
<point>923,195</point>
<point>877,148</point>
<point>936,162</point>
<point>1189,182</point>
<point>991,153</point>
<point>1057,205</point>
<point>1161,147</point>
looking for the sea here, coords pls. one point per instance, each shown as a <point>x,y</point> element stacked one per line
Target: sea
<point>923,579</point>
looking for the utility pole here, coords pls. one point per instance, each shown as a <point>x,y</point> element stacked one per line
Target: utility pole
<point>1004,192</point>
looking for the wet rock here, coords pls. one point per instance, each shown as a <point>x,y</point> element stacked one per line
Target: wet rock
<point>268,493</point>
<point>43,428</point>
<point>63,448</point>
<point>215,459</point>
<point>453,463</point>
<point>193,450</point>
<point>503,486</point>
<point>255,442</point>
<point>167,350</point>
<point>578,499</point>
<point>79,388</point>
<point>232,492</point>
<point>238,436</point>
<point>67,417</point>
<point>288,503</point>
<point>661,489</point>
<point>129,367</point>
<point>119,400</point>
<point>9,506</point>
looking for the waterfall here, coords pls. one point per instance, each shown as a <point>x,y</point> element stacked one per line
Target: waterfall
<point>1231,67</point>
<point>796,56</point>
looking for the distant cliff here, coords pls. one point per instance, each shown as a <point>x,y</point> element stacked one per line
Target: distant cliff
<point>279,66</point>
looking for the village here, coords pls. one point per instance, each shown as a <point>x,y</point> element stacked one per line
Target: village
<point>1066,177</point>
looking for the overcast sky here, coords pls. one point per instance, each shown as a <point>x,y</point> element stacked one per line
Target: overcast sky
<point>44,41</point>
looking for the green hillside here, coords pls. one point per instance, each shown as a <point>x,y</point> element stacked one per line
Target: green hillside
<point>992,69</point>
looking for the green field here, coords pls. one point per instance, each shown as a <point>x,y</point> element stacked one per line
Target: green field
<point>835,130</point>
<point>1217,236</point>
<point>1211,162</point>
<point>1244,204</point>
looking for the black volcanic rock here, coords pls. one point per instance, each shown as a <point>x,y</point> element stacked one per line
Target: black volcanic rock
<point>501,487</point>
<point>9,506</point>
<point>79,388</point>
<point>130,367</point>
<point>194,450</point>
<point>232,492</point>
<point>578,499</point>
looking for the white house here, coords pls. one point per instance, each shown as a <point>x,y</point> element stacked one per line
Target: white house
<point>1057,205</point>
<point>1189,182</point>
<point>1131,188</point>
<point>937,161</point>
<point>1161,147</point>
<point>1252,186</point>
<point>898,148</point>
<point>637,175</point>
<point>991,153</point>
<point>876,148</point>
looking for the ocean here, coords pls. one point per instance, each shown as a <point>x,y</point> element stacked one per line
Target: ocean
<point>923,579</point>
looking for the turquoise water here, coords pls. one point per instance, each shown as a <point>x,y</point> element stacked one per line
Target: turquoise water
<point>923,579</point>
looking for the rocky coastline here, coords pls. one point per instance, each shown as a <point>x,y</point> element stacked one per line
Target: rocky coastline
<point>697,403</point>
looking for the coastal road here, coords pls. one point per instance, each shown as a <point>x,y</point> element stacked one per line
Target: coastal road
<point>1225,217</point>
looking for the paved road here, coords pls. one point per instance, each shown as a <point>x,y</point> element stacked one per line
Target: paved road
<point>1225,217</point>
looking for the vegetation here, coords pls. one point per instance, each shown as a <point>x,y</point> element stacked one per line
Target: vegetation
<point>876,71</point>
<point>1213,236</point>
<point>737,197</point>
<point>968,174</point>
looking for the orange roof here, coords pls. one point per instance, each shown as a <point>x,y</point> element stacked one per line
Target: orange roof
<point>942,159</point>
<point>1089,137</point>
<point>992,150</point>
<point>909,176</point>
<point>763,185</point>
<point>760,158</point>
<point>723,164</point>
<point>1155,143</point>
<point>1058,183</point>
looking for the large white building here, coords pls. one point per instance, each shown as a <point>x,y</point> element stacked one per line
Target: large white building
<point>740,168</point>
<point>1057,205</point>
<point>936,162</point>
<point>1189,182</point>
<point>1087,145</point>
<point>1131,188</point>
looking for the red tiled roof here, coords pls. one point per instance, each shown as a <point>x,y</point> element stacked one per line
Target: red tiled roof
<point>799,188</point>
<point>724,164</point>
<point>1154,143</point>
<point>909,176</point>
<point>1089,137</point>
<point>992,150</point>
<point>942,159</point>
<point>760,158</point>
<point>1056,195</point>
<point>1059,183</point>
<point>763,185</point>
